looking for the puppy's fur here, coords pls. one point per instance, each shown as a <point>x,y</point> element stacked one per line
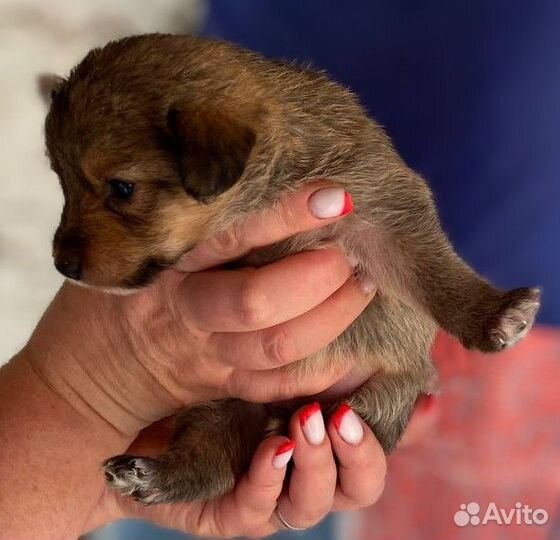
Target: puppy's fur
<point>208,132</point>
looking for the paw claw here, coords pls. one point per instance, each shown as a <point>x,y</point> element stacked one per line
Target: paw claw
<point>514,320</point>
<point>133,476</point>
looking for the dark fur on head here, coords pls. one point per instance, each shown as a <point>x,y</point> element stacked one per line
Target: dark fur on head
<point>207,132</point>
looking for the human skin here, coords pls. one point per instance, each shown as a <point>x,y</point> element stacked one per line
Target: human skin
<point>102,372</point>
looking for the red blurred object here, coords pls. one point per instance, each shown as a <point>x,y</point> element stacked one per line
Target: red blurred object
<point>490,435</point>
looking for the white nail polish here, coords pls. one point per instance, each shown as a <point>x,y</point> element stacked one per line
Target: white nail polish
<point>312,424</point>
<point>353,260</point>
<point>367,285</point>
<point>348,425</point>
<point>283,455</point>
<point>329,203</point>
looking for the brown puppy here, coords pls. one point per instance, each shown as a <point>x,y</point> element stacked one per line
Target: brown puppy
<point>160,141</point>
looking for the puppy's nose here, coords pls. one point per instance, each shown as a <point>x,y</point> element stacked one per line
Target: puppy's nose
<point>70,266</point>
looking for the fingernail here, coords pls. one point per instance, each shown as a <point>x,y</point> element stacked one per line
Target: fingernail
<point>367,285</point>
<point>283,455</point>
<point>330,202</point>
<point>348,425</point>
<point>312,424</point>
<point>353,260</point>
<point>428,402</point>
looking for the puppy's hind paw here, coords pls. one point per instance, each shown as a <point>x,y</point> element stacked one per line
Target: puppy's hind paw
<point>514,320</point>
<point>133,476</point>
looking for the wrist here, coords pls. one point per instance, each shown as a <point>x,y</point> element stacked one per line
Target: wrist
<point>51,453</point>
<point>63,397</point>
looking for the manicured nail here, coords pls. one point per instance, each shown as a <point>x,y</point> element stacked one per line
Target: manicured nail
<point>428,402</point>
<point>330,202</point>
<point>283,455</point>
<point>348,425</point>
<point>312,424</point>
<point>367,285</point>
<point>353,260</point>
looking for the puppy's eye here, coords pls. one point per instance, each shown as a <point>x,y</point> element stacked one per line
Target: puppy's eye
<point>121,190</point>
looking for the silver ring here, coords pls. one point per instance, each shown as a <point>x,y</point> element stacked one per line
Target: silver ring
<point>284,523</point>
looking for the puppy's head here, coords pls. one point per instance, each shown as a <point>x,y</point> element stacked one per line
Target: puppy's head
<point>146,155</point>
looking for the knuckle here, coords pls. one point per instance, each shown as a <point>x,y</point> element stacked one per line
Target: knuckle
<point>323,467</point>
<point>267,488</point>
<point>254,395</point>
<point>285,389</point>
<point>232,386</point>
<point>253,306</point>
<point>241,387</point>
<point>251,392</point>
<point>279,348</point>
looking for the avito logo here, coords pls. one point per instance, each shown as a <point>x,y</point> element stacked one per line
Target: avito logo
<point>522,514</point>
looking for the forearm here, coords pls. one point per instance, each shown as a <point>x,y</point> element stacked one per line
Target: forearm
<point>49,457</point>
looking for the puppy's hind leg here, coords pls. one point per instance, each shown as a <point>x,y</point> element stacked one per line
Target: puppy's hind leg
<point>212,447</point>
<point>420,265</point>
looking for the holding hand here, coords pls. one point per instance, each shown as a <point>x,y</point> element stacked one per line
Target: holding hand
<point>101,368</point>
<point>209,334</point>
<point>341,467</point>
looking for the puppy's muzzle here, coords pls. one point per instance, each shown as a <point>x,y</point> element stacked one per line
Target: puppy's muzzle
<point>68,250</point>
<point>70,266</point>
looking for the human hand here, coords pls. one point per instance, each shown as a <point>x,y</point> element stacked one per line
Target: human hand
<point>208,334</point>
<point>329,474</point>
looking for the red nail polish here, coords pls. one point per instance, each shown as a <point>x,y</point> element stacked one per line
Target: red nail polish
<point>428,403</point>
<point>283,455</point>
<point>348,204</point>
<point>348,425</point>
<point>339,414</point>
<point>308,411</point>
<point>286,447</point>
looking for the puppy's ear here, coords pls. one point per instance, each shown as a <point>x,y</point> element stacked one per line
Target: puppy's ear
<point>212,150</point>
<point>48,85</point>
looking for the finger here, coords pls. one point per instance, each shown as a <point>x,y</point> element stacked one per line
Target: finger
<point>361,461</point>
<point>310,494</point>
<point>249,299</point>
<point>280,385</point>
<point>296,339</point>
<point>247,510</point>
<point>308,209</point>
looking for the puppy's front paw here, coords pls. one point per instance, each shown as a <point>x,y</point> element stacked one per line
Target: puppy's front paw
<point>514,320</point>
<point>133,476</point>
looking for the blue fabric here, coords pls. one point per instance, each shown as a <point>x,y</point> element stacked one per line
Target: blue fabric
<point>131,529</point>
<point>469,90</point>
